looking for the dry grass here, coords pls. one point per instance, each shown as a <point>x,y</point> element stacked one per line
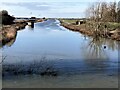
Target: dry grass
<point>89,28</point>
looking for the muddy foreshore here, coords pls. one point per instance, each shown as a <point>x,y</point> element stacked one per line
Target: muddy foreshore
<point>114,35</point>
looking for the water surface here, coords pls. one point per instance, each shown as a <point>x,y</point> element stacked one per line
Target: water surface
<point>80,60</point>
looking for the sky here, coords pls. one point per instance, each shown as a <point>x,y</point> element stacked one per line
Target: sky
<point>47,8</point>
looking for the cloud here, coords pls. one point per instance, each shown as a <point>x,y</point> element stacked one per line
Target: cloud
<point>13,1</point>
<point>29,5</point>
<point>48,9</point>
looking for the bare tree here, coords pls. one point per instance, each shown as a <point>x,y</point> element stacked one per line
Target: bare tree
<point>118,12</point>
<point>100,14</point>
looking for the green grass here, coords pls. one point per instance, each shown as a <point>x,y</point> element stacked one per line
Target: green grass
<point>113,25</point>
<point>110,25</point>
<point>70,21</point>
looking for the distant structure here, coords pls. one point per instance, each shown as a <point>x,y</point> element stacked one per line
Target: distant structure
<point>44,18</point>
<point>31,21</point>
<point>79,22</point>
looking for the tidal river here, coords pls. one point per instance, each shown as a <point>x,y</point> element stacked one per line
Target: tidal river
<point>77,60</point>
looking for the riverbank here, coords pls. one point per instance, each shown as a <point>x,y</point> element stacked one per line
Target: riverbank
<point>85,28</point>
<point>8,32</point>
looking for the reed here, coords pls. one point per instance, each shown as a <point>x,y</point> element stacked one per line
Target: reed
<point>40,67</point>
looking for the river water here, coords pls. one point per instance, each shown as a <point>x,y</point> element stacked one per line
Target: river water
<point>80,61</point>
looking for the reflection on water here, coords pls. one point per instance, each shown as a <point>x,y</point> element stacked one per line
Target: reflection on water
<point>97,48</point>
<point>98,57</point>
<point>11,42</point>
<point>32,25</point>
<point>74,58</point>
<point>8,44</point>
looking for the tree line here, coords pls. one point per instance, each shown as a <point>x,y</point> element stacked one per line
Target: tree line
<point>104,12</point>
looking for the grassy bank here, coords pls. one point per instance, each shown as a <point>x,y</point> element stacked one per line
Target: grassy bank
<point>9,32</point>
<point>106,30</point>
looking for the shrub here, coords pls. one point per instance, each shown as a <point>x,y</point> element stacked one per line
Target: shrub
<point>5,18</point>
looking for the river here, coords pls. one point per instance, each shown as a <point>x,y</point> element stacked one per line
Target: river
<point>80,61</point>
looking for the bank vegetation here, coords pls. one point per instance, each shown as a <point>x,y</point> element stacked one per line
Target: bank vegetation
<point>102,20</point>
<point>9,27</point>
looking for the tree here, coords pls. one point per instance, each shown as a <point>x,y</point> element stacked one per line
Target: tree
<point>103,11</point>
<point>113,12</point>
<point>100,14</point>
<point>118,12</point>
<point>4,12</point>
<point>6,18</point>
<point>118,16</point>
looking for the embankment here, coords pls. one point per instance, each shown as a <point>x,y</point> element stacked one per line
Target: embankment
<point>9,32</point>
<point>83,28</point>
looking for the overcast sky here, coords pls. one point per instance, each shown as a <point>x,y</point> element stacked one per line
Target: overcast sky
<point>47,8</point>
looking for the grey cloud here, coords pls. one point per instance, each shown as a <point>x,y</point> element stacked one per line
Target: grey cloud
<point>53,9</point>
<point>30,5</point>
